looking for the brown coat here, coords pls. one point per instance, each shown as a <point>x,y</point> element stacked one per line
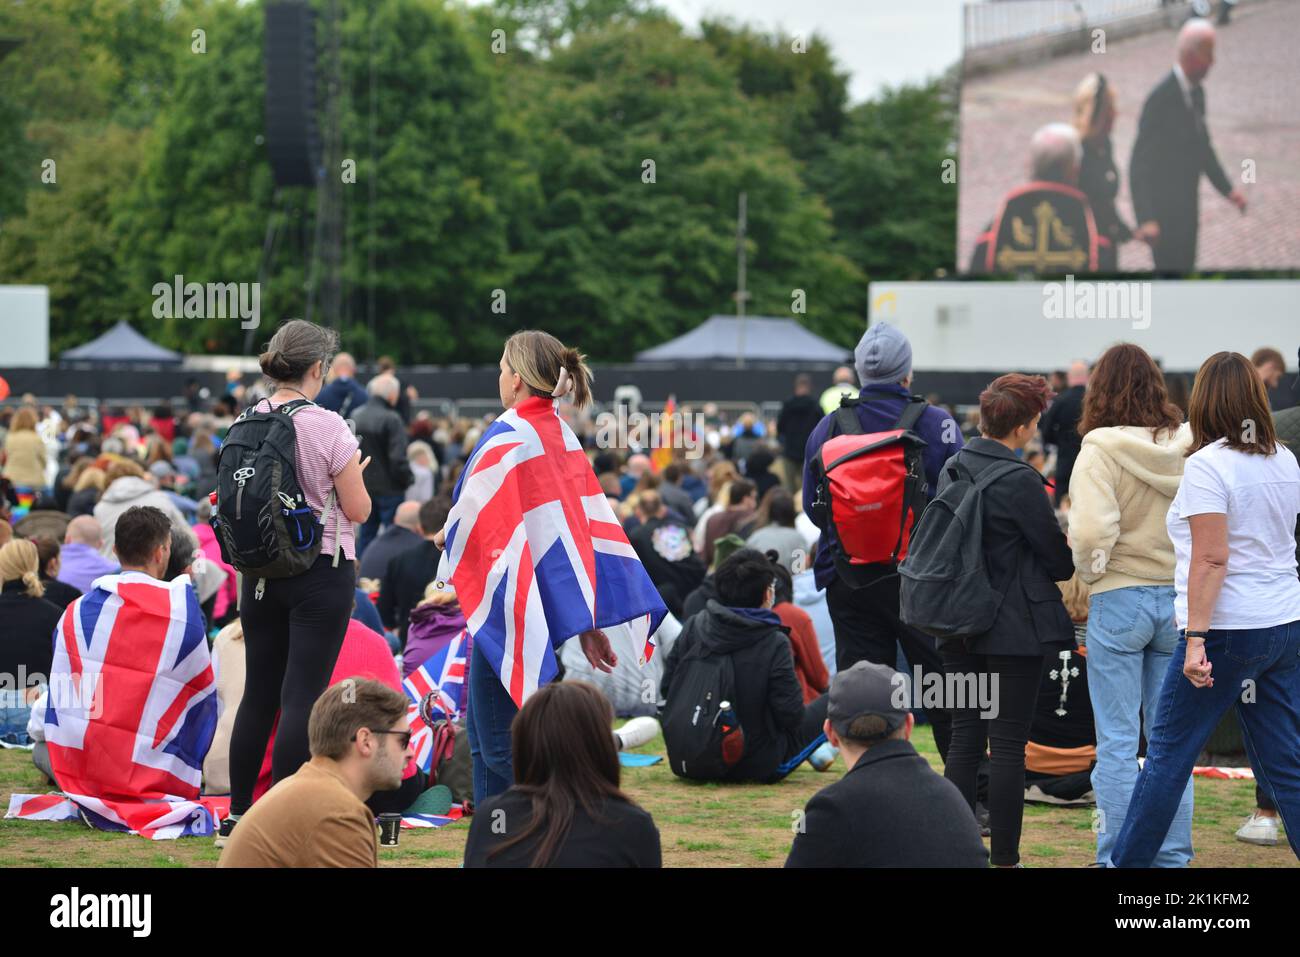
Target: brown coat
<point>310,819</point>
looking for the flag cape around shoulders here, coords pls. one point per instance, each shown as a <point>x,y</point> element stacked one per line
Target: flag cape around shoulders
<point>132,707</point>
<point>535,552</point>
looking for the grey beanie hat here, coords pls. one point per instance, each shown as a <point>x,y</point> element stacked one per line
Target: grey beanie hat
<point>883,355</point>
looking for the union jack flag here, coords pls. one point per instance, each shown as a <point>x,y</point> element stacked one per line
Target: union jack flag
<point>442,680</point>
<point>535,552</point>
<point>443,676</point>
<point>132,706</point>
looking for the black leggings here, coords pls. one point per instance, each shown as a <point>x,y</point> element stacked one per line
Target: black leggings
<point>292,636</point>
<point>1004,736</point>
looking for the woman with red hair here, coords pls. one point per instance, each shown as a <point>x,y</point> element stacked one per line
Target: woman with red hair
<point>1026,554</point>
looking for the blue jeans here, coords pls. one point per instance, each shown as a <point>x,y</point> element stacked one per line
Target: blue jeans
<point>384,507</point>
<point>488,717</point>
<point>14,714</point>
<point>1131,639</point>
<point>1256,669</point>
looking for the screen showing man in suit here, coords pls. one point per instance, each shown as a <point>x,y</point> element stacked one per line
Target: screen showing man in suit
<point>1188,152</point>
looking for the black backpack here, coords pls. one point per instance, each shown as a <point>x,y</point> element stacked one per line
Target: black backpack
<point>701,745</point>
<point>261,518</point>
<point>944,586</point>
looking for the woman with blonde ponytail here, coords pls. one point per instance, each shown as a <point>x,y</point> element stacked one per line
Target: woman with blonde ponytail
<point>27,620</point>
<point>534,551</point>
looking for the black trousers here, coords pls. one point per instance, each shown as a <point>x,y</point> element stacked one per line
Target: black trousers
<point>867,628</point>
<point>1004,737</point>
<point>1175,252</point>
<point>292,637</point>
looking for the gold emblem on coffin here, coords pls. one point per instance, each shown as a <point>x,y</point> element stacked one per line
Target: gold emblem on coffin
<point>1044,245</point>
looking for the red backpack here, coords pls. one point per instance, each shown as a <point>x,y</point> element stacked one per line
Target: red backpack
<point>870,489</point>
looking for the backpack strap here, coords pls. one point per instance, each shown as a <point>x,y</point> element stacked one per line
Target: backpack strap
<point>331,504</point>
<point>846,420</point>
<point>996,472</point>
<point>912,412</point>
<point>294,406</point>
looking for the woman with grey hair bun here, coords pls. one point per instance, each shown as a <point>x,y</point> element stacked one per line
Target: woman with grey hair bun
<point>294,627</point>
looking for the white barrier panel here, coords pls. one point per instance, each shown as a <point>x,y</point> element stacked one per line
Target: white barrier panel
<point>24,326</point>
<point>999,326</point>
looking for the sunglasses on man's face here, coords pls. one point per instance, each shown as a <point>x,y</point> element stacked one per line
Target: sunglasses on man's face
<point>403,737</point>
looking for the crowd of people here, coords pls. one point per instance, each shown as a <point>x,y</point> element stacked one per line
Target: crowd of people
<point>1140,539</point>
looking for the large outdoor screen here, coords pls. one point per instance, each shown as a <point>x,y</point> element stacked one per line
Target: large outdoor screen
<point>1103,136</point>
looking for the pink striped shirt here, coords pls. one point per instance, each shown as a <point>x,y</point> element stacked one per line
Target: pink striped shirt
<point>325,447</point>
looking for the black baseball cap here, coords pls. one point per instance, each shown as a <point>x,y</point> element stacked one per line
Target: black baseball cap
<point>866,689</point>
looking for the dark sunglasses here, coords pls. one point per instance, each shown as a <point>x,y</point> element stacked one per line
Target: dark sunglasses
<point>403,737</point>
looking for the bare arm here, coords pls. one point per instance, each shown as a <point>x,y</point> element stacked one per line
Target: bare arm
<point>350,488</point>
<point>1209,567</point>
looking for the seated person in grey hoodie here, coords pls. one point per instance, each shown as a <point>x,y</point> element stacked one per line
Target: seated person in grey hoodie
<point>780,732</point>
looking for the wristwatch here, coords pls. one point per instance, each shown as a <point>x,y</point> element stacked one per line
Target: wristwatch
<point>1196,634</point>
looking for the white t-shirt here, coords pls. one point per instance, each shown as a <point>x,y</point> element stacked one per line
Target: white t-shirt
<point>1260,494</point>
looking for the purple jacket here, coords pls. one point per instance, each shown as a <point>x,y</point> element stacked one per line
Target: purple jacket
<point>79,565</point>
<point>432,628</point>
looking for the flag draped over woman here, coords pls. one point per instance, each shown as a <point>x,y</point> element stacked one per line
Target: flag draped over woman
<point>535,551</point>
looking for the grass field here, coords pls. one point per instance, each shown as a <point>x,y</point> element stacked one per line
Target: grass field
<point>700,825</point>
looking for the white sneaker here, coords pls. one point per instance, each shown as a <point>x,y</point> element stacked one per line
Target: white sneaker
<point>636,732</point>
<point>1258,829</point>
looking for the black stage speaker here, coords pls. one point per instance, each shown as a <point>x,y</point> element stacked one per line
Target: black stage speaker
<point>292,139</point>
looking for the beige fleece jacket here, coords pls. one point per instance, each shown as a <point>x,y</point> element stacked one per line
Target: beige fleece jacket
<point>1120,491</point>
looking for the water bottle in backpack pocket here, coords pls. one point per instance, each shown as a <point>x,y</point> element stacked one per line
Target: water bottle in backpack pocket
<point>701,731</point>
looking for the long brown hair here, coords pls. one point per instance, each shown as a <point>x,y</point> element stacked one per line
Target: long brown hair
<point>562,743</point>
<point>1229,402</point>
<point>1127,388</point>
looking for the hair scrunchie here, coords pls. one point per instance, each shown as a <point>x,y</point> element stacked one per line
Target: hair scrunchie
<point>563,385</point>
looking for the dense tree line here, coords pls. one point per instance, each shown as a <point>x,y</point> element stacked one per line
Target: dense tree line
<point>567,164</point>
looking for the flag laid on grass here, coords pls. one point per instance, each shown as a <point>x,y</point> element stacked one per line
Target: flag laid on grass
<point>41,807</point>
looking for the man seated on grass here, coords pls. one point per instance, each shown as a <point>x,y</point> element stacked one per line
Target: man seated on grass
<point>360,742</point>
<point>780,732</point>
<point>890,809</point>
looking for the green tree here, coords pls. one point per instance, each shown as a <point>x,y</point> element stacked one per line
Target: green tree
<point>201,204</point>
<point>793,76</point>
<point>435,206</point>
<point>624,263</point>
<point>63,239</point>
<point>895,217</point>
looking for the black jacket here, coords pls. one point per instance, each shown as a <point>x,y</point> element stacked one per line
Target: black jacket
<point>799,416</point>
<point>383,437</point>
<point>1026,555</point>
<point>386,546</point>
<point>1099,181</point>
<point>697,599</point>
<point>621,835</point>
<point>889,810</point>
<point>1171,151</point>
<point>60,594</point>
<point>768,697</point>
<point>403,583</point>
<point>26,631</point>
<point>1060,427</point>
<point>664,547</point>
